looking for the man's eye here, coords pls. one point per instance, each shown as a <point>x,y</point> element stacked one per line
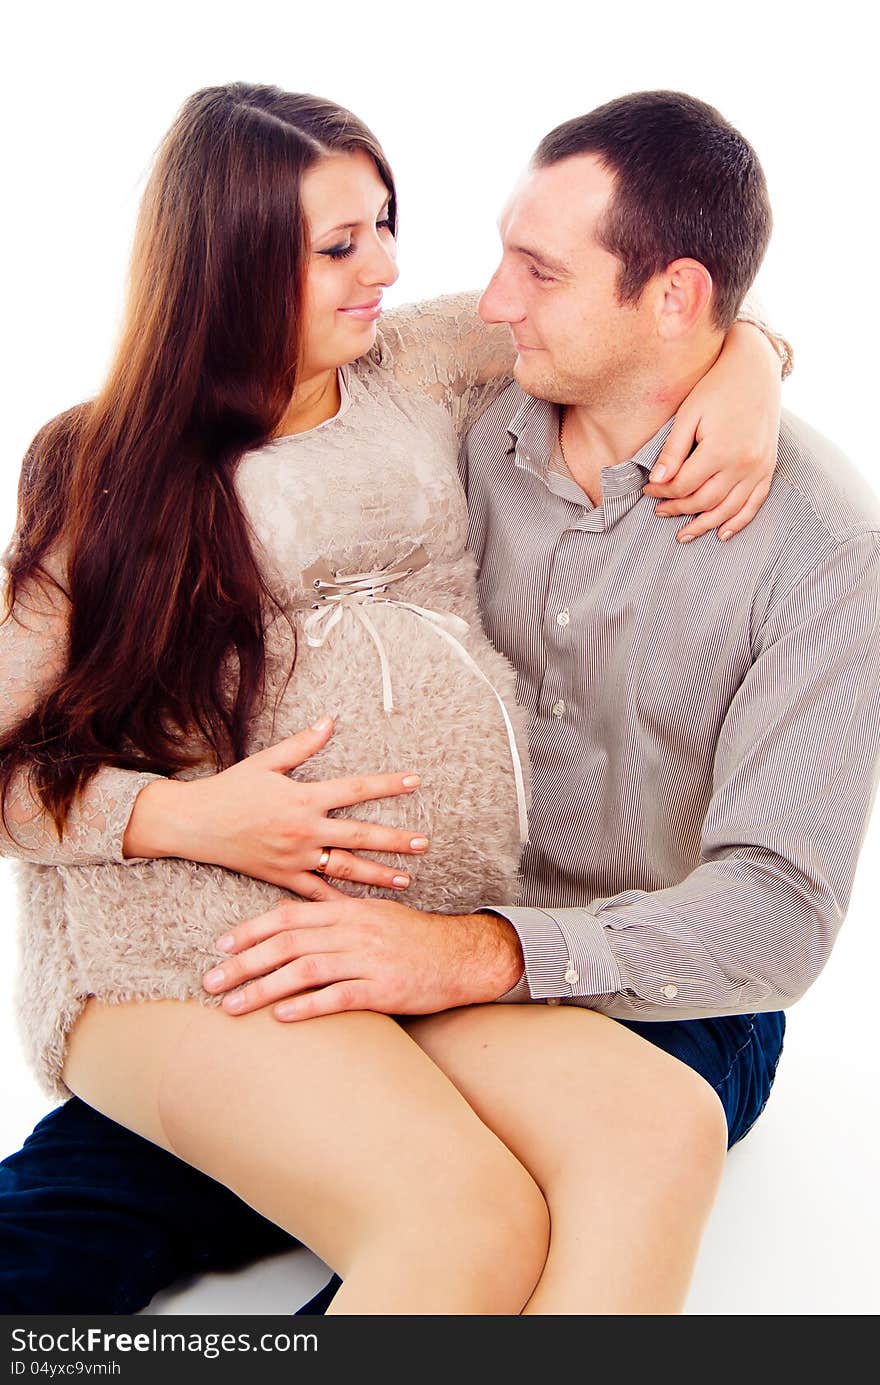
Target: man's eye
<point>542,278</point>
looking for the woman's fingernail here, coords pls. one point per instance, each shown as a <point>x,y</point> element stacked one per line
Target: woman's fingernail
<point>214,978</point>
<point>419,843</point>
<point>400,882</point>
<point>323,725</point>
<point>686,538</point>
<point>234,1002</point>
<point>725,535</point>
<point>658,473</point>
<point>226,943</point>
<point>286,1012</point>
<point>412,781</point>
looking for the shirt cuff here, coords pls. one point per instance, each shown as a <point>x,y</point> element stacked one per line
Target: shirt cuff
<point>566,955</point>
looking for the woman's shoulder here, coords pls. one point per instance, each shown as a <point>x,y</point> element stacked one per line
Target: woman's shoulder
<point>440,346</point>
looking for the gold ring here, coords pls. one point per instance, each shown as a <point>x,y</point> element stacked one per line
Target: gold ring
<point>324,859</point>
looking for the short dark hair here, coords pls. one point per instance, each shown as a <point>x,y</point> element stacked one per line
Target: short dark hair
<point>687,184</point>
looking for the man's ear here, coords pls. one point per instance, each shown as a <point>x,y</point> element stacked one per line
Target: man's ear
<point>685,299</point>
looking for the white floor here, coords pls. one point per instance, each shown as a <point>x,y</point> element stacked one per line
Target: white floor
<point>797,1223</point>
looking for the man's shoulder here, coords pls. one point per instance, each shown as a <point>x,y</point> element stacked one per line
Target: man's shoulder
<point>501,411</point>
<point>816,477</point>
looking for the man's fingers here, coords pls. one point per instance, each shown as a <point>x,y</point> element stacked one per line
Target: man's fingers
<point>282,919</point>
<point>343,793</point>
<point>271,955</point>
<point>330,1000</point>
<point>305,973</point>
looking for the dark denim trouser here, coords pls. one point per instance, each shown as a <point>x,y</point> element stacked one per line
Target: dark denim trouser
<point>94,1219</point>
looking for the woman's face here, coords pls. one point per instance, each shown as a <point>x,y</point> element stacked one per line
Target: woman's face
<point>352,258</point>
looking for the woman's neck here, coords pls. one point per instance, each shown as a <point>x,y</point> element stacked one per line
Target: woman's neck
<point>313,402</point>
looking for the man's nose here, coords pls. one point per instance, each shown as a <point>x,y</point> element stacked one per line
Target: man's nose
<point>498,302</point>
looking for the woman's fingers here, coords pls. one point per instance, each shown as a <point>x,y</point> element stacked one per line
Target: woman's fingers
<point>360,788</point>
<point>714,492</point>
<point>694,472</point>
<point>293,751</point>
<point>351,835</point>
<point>676,448</point>
<point>720,515</point>
<point>748,511</point>
<point>343,865</point>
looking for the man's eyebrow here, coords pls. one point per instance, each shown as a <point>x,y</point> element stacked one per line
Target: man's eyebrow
<point>540,258</point>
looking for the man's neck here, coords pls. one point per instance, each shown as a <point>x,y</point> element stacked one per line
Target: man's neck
<point>595,436</point>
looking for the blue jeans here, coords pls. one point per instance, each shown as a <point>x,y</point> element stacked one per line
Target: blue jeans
<point>94,1219</point>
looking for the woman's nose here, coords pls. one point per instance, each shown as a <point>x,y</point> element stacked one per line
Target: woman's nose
<point>380,266</point>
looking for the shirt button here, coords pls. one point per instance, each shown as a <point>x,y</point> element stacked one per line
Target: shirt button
<point>571,976</point>
<point>558,709</point>
<point>553,1000</point>
<point>670,992</point>
<point>563,618</point>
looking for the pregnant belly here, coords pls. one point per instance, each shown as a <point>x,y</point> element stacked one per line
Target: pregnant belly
<point>153,925</point>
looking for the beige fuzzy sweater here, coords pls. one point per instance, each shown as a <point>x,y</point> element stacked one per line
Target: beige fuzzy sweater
<point>361,493</point>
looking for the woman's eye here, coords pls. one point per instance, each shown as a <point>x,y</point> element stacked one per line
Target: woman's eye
<point>542,278</point>
<point>385,223</point>
<point>339,252</point>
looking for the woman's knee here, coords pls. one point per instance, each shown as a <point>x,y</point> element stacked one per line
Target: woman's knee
<point>486,1217</point>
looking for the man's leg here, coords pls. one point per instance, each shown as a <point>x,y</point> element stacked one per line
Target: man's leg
<point>94,1219</point>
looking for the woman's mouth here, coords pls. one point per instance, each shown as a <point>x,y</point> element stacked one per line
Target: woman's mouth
<point>364,312</point>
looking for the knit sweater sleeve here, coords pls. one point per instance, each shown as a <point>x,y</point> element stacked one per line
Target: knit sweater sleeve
<point>33,652</point>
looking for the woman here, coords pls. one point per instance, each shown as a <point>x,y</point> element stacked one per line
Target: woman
<point>260,513</point>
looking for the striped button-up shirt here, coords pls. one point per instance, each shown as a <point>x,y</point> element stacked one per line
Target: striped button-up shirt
<point>704,720</point>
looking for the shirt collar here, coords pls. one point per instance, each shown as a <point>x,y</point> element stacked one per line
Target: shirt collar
<point>534,429</point>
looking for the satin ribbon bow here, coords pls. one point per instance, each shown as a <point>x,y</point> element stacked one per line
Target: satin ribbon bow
<point>337,593</point>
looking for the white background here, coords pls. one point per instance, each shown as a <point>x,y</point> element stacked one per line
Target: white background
<point>459,94</point>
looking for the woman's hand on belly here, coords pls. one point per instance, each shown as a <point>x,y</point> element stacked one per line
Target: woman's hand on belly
<point>311,959</point>
<point>253,819</point>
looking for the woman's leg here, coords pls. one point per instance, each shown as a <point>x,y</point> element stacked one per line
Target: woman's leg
<point>342,1131</point>
<point>626,1143</point>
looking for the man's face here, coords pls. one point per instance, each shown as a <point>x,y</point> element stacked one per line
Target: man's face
<point>556,289</point>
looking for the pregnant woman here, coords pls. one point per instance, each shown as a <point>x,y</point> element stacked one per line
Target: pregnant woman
<point>259,521</point>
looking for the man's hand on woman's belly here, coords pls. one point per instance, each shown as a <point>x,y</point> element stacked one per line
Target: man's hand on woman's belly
<point>339,953</point>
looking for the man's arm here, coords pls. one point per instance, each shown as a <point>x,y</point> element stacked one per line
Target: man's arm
<point>749,929</point>
<point>794,777</point>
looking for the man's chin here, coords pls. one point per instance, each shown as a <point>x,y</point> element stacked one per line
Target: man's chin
<point>531,379</point>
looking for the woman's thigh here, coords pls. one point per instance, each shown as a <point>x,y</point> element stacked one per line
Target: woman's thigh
<point>330,1128</point>
<point>571,1092</point>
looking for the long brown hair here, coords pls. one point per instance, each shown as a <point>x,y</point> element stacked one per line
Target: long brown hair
<point>135,492</point>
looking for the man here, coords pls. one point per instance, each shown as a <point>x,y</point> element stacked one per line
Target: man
<point>704,724</point>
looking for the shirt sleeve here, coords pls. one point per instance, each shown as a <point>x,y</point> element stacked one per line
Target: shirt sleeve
<point>33,648</point>
<point>795,774</point>
<point>442,349</point>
